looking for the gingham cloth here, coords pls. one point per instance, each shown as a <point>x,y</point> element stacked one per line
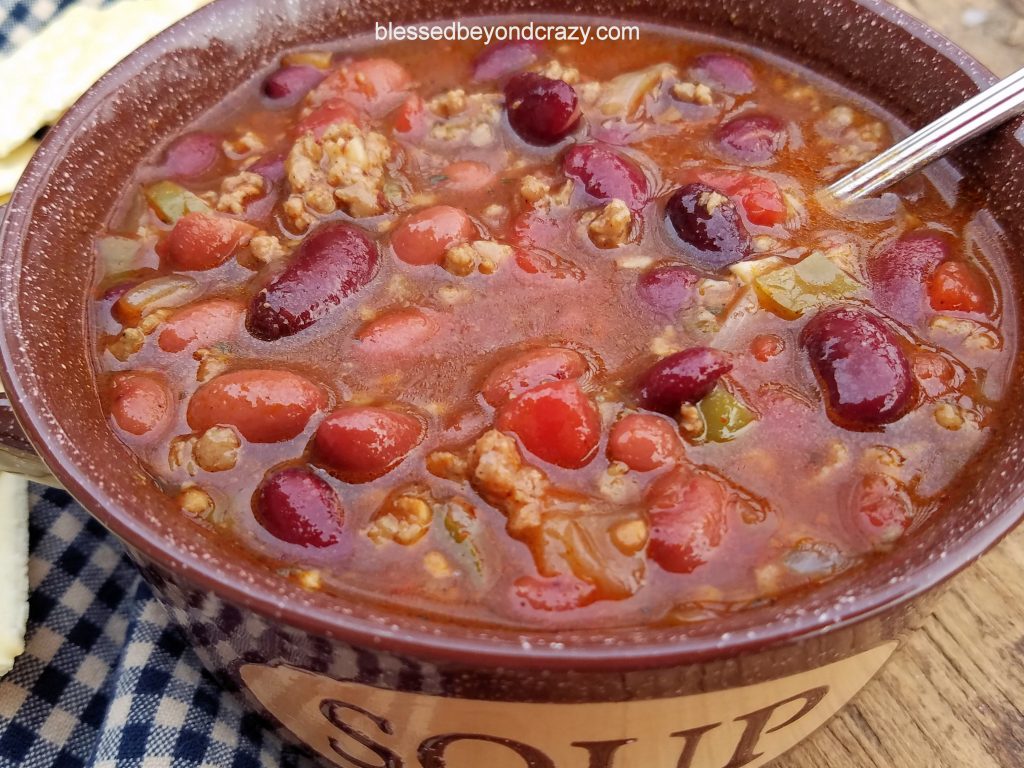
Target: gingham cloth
<point>106,680</point>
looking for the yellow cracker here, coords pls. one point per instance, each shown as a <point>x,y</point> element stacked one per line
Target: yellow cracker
<point>12,166</point>
<point>13,568</point>
<point>46,74</point>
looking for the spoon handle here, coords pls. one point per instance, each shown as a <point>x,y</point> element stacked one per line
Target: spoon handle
<point>989,108</point>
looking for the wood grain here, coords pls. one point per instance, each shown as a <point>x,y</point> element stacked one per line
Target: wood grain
<point>953,696</point>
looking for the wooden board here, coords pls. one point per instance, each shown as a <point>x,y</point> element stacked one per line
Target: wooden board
<point>953,696</point>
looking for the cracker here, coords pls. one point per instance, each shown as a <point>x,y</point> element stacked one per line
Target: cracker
<point>13,568</point>
<point>12,166</point>
<point>44,76</point>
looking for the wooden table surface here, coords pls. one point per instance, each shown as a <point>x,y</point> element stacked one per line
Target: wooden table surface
<point>953,696</point>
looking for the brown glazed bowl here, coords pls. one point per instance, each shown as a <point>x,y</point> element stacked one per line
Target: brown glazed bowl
<point>361,688</point>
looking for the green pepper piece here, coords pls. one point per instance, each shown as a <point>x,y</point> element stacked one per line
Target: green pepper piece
<point>117,253</point>
<point>725,416</point>
<point>459,523</point>
<point>790,291</point>
<point>172,201</point>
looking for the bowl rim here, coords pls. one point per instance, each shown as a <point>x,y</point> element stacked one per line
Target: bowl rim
<point>416,642</point>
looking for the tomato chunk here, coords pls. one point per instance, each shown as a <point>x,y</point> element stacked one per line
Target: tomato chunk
<point>264,405</point>
<point>201,324</point>
<point>556,422</point>
<point>687,518</point>
<point>959,286</point>
<point>882,509</point>
<point>140,403</point>
<point>423,237</point>
<point>643,441</point>
<point>361,443</point>
<point>758,196</point>
<point>557,593</point>
<point>202,241</point>
<point>526,370</point>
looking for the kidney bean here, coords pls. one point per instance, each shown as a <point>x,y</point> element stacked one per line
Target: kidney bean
<point>668,289</point>
<point>643,441</point>
<point>201,241</point>
<point>361,443</point>
<point>709,226</point>
<point>555,422</point>
<point>606,175</point>
<point>898,273</point>
<point>959,286</point>
<point>287,85</point>
<point>499,61</point>
<point>335,261</point>
<point>193,155</point>
<point>860,364</point>
<point>140,403</point>
<point>468,177</point>
<point>201,324</point>
<point>724,72</point>
<point>329,113</point>
<point>270,167</point>
<point>684,377</point>
<point>687,520</point>
<point>264,405</point>
<point>398,332</point>
<point>751,138</point>
<point>423,237</point>
<point>525,370</point>
<point>298,506</point>
<point>882,509</point>
<point>372,85</point>
<point>541,110</point>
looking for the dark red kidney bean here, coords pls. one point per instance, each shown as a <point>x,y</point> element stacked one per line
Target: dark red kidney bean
<point>193,155</point>
<point>361,443</point>
<point>898,273</point>
<point>668,289</point>
<point>270,167</point>
<point>709,225</point>
<point>687,520</point>
<point>288,84</point>
<point>751,138</point>
<point>725,72</point>
<point>684,377</point>
<point>499,61</point>
<point>332,263</point>
<point>297,506</point>
<point>859,362</point>
<point>606,175</point>
<point>540,109</point>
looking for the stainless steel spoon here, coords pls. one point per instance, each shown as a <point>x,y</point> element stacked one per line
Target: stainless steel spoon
<point>988,109</point>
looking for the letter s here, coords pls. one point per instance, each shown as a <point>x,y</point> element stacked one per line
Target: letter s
<point>331,709</point>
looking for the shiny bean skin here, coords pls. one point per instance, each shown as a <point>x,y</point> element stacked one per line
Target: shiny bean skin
<point>334,261</point>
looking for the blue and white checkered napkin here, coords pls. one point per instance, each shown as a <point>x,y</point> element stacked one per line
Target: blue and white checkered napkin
<point>106,680</point>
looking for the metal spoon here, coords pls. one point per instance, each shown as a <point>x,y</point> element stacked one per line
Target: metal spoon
<point>988,109</point>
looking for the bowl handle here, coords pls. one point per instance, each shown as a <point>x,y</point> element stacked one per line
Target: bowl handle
<point>16,452</point>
